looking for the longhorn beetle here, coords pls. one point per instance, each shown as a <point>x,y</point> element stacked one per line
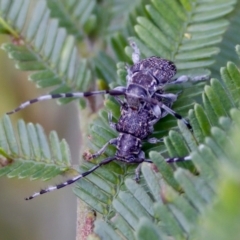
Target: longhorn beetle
<point>142,106</point>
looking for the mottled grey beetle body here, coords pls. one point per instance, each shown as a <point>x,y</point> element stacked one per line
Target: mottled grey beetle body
<point>161,69</point>
<point>144,104</point>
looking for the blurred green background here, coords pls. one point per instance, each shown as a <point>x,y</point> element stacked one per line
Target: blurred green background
<point>52,216</point>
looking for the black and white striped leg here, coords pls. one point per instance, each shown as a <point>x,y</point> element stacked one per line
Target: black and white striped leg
<point>176,115</point>
<point>185,78</point>
<point>136,52</point>
<point>70,181</point>
<point>113,92</point>
<point>137,173</point>
<point>120,101</point>
<point>135,58</point>
<point>103,149</point>
<point>170,96</point>
<point>138,168</point>
<point>156,105</point>
<point>168,160</point>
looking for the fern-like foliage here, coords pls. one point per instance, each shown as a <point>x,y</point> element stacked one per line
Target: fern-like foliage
<point>229,39</point>
<point>139,207</point>
<point>75,16</point>
<point>128,212</point>
<point>124,13</point>
<point>223,216</point>
<point>186,32</point>
<point>45,48</point>
<point>31,154</point>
